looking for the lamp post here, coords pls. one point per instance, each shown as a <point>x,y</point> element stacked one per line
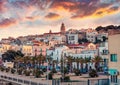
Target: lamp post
<point>35,60</point>
<point>63,64</point>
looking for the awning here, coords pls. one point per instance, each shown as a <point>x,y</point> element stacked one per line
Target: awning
<point>113,71</point>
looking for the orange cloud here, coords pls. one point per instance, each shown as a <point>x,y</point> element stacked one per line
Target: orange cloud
<point>7,22</point>
<point>2,6</point>
<point>105,11</point>
<point>52,16</point>
<point>64,6</point>
<point>32,18</point>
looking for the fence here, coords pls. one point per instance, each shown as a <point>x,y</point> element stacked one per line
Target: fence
<point>89,82</point>
<point>98,82</point>
<point>115,83</point>
<point>20,81</point>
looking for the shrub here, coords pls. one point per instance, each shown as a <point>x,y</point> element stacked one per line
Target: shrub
<point>77,72</point>
<point>7,69</point>
<point>44,69</point>
<point>2,68</point>
<point>12,70</point>
<point>27,73</point>
<point>93,73</point>
<point>49,76</point>
<point>66,78</point>
<point>54,70</point>
<point>65,70</point>
<point>38,73</point>
<point>19,71</point>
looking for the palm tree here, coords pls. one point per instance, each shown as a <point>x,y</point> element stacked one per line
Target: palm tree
<point>54,63</point>
<point>86,61</point>
<point>77,60</point>
<point>81,63</point>
<point>49,59</point>
<point>97,60</point>
<point>17,61</point>
<point>70,61</point>
<point>40,59</point>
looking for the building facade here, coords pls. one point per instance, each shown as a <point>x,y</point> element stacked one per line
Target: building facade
<point>114,57</point>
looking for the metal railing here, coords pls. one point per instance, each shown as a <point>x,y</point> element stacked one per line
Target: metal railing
<point>19,81</point>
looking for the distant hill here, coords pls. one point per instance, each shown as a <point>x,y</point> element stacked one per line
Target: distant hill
<point>107,28</point>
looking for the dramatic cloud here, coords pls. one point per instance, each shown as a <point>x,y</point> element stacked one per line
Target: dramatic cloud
<point>7,22</point>
<point>52,16</point>
<point>42,14</point>
<point>2,6</point>
<point>82,8</point>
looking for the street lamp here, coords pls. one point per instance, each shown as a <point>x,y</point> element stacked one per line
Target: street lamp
<point>63,64</point>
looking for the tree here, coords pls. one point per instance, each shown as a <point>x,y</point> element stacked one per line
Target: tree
<point>70,60</point>
<point>40,59</point>
<point>83,40</point>
<point>10,55</point>
<point>77,72</point>
<point>77,60</point>
<point>81,63</point>
<point>93,73</point>
<point>86,61</point>
<point>104,38</point>
<point>54,62</point>
<point>97,60</point>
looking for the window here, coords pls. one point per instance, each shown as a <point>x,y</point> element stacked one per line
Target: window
<point>113,78</point>
<point>113,57</point>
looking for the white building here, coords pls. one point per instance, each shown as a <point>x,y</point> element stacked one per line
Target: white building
<point>100,36</point>
<point>72,38</point>
<point>56,52</point>
<point>91,35</point>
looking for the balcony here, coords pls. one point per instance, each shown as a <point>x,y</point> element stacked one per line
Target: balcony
<point>105,52</point>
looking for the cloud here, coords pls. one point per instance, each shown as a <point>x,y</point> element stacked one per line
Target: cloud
<point>52,16</point>
<point>3,8</point>
<point>106,11</point>
<point>83,8</point>
<point>7,22</point>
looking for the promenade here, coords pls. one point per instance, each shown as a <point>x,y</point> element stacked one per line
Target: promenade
<point>30,80</point>
<point>24,80</point>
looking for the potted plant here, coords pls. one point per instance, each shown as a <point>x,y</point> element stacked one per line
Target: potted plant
<point>54,70</point>
<point>77,72</point>
<point>19,71</point>
<point>2,68</point>
<point>93,73</point>
<point>27,73</point>
<point>7,69</point>
<point>12,70</point>
<point>50,76</point>
<point>38,73</point>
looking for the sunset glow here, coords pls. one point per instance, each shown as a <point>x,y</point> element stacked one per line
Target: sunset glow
<point>26,17</point>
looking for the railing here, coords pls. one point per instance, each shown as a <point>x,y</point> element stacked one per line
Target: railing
<point>19,80</point>
<point>26,81</point>
<point>85,82</point>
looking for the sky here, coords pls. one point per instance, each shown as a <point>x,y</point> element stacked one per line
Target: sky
<point>29,17</point>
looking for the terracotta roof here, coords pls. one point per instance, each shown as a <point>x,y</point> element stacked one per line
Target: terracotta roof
<point>35,44</point>
<point>78,45</point>
<point>52,33</point>
<point>34,41</point>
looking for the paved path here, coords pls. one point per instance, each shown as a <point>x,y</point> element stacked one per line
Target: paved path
<point>25,80</point>
<point>21,79</point>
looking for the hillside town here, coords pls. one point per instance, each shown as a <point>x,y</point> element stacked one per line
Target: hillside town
<point>84,43</point>
<point>59,42</point>
<point>78,51</point>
